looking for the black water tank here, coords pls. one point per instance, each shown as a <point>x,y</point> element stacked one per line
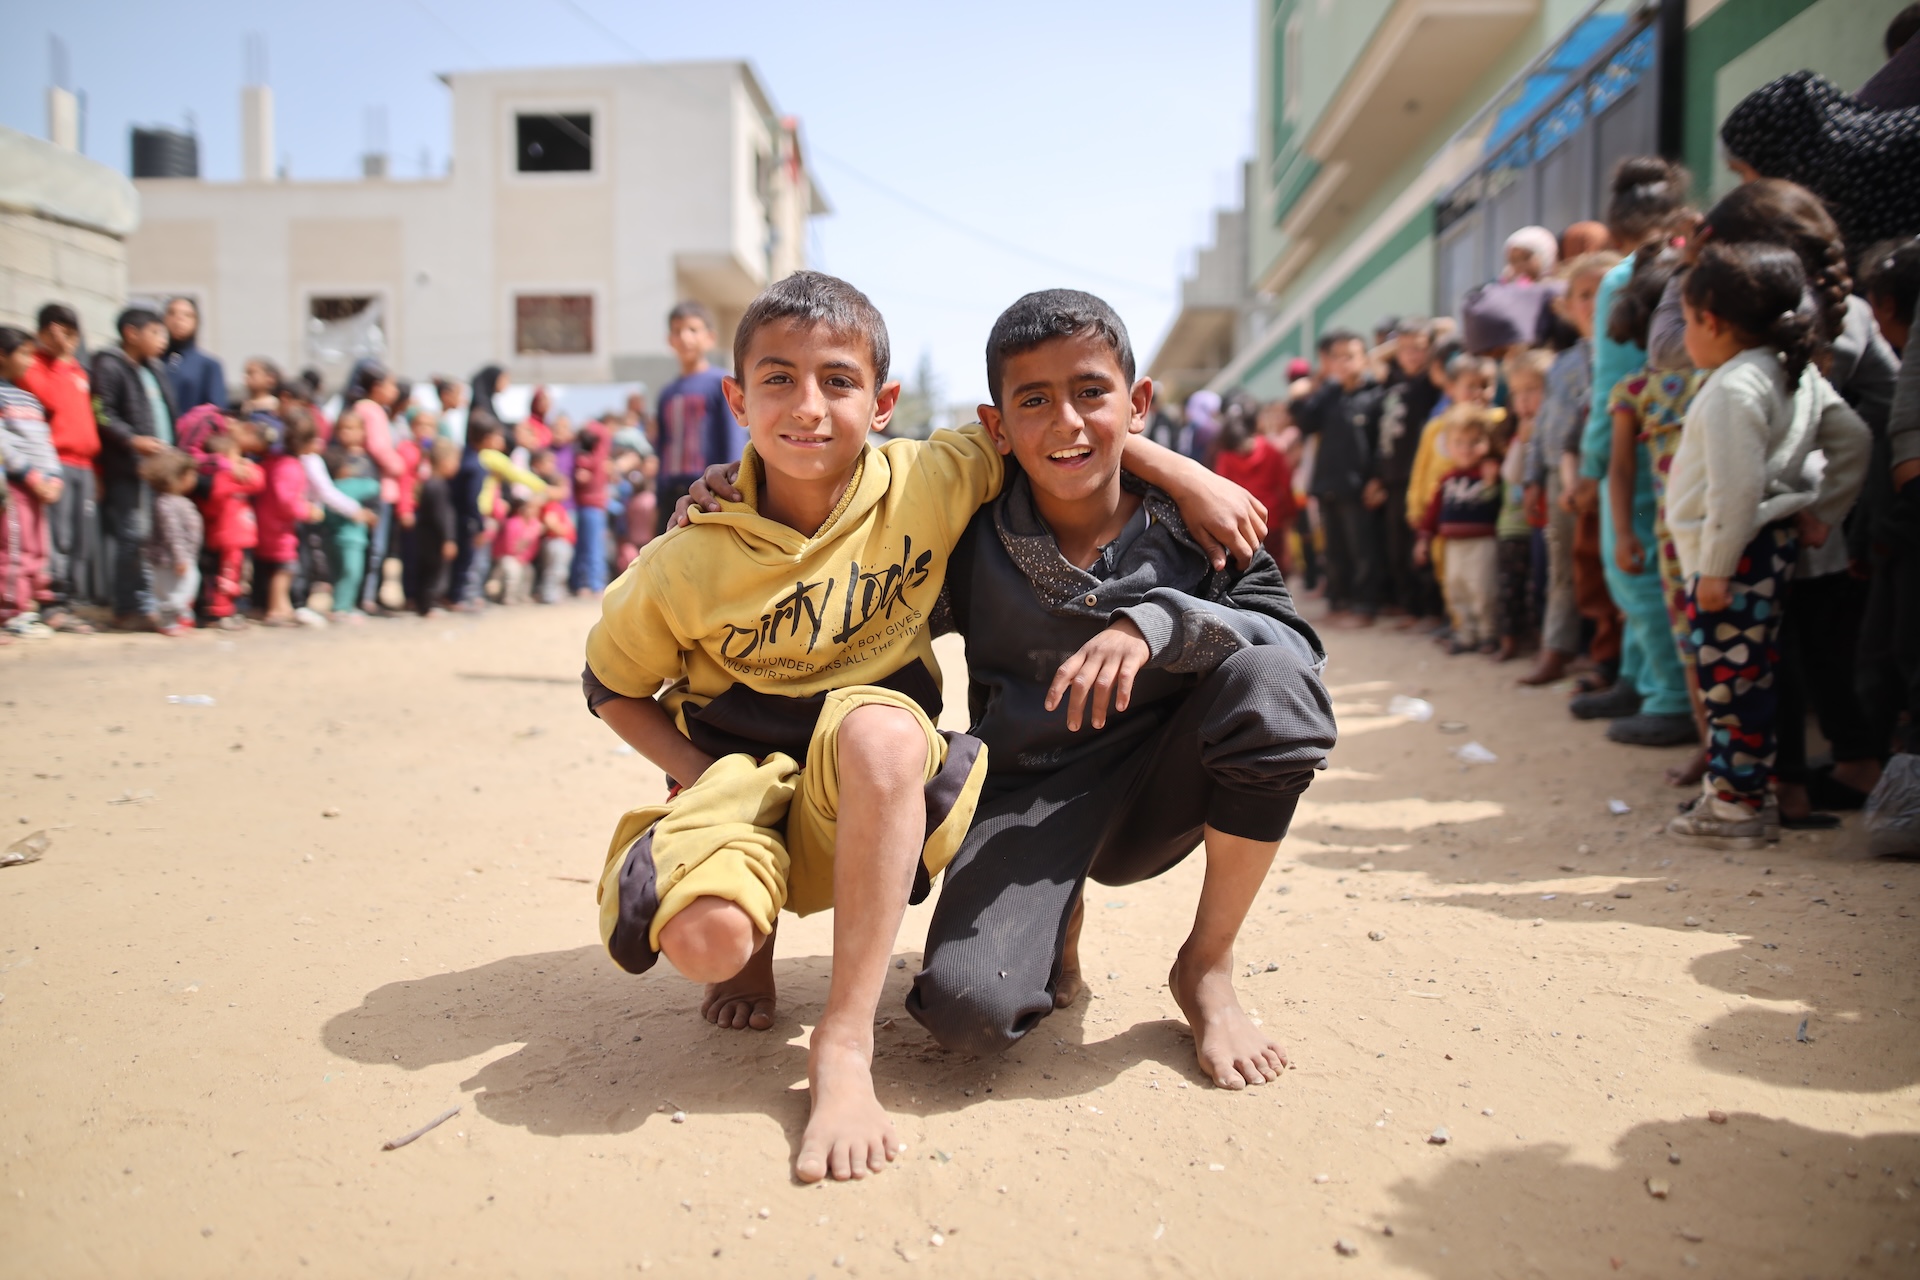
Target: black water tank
<point>165,153</point>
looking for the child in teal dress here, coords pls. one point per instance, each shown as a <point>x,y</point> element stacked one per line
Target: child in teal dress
<point>354,474</point>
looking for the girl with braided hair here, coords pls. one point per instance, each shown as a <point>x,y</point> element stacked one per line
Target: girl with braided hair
<point>1742,495</point>
<point>1829,659</point>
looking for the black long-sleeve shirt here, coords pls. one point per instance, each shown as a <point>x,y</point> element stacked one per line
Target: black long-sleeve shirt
<point>1025,610</point>
<point>1348,424</point>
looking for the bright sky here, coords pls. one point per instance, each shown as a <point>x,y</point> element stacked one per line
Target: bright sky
<point>1055,144</point>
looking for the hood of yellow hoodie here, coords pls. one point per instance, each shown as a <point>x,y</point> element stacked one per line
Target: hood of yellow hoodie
<point>770,542</point>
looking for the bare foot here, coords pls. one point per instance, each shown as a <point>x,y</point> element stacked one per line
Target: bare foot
<point>746,1000</point>
<point>1690,773</point>
<point>1232,1051</point>
<point>848,1134</point>
<point>1071,984</point>
<point>1551,666</point>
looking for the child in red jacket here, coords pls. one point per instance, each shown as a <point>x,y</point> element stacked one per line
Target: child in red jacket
<point>231,480</point>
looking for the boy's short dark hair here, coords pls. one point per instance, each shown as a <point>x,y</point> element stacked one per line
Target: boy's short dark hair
<point>691,309</point>
<point>1337,337</point>
<point>136,318</point>
<point>815,299</point>
<point>1050,314</point>
<point>12,339</point>
<point>57,313</point>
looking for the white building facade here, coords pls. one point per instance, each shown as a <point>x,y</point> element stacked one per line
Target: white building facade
<point>581,204</point>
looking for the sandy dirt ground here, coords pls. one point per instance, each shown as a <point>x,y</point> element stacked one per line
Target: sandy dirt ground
<point>274,932</point>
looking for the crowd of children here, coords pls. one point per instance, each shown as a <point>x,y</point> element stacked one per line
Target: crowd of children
<point>141,496</point>
<point>1655,454</point>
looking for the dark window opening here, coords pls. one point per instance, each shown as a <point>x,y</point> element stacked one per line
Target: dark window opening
<point>549,143</point>
<point>333,310</point>
<point>553,324</point>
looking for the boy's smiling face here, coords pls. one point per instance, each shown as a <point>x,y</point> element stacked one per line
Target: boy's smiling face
<point>808,399</point>
<point>1067,414</point>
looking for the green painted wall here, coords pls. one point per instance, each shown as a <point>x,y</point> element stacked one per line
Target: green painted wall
<point>1403,287</point>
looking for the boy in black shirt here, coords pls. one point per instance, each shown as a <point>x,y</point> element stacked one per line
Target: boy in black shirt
<point>1134,700</point>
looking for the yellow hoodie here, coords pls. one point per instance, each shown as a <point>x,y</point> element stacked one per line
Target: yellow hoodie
<point>736,598</point>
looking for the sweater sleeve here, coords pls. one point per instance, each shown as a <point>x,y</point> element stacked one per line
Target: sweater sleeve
<point>1186,633</point>
<point>1734,436</point>
<point>1843,436</point>
<point>324,489</point>
<point>634,649</point>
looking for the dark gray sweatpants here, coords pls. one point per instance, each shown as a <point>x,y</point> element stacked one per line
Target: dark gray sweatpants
<point>1236,755</point>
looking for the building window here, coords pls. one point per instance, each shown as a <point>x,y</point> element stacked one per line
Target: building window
<point>559,324</point>
<point>549,142</point>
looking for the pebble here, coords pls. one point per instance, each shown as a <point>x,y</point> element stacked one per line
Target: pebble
<point>901,963</point>
<point>1439,1137</point>
<point>329,812</point>
<point>1322,1178</point>
<point>1673,1157</point>
<point>839,1259</point>
<point>1658,1188</point>
<point>679,1117</point>
<point>1691,1236</point>
<point>1366,866</point>
<point>1691,923</point>
<point>1718,1117</point>
<point>765,1212</point>
<point>936,1239</point>
<point>1346,1248</point>
<point>1486,1111</point>
<point>1272,967</point>
<point>1376,935</point>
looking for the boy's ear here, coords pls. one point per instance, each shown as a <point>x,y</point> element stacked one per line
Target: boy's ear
<point>996,427</point>
<point>1142,396</point>
<point>736,398</point>
<point>884,405</point>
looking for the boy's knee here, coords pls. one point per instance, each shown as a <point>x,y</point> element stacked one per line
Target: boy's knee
<point>965,1017</point>
<point>883,744</point>
<point>710,940</point>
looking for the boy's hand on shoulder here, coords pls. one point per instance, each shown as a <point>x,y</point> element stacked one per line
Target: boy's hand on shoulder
<point>1713,594</point>
<point>706,492</point>
<point>1223,518</point>
<point>1101,674</point>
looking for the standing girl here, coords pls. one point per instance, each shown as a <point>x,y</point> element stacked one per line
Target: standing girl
<point>1740,498</point>
<point>351,469</point>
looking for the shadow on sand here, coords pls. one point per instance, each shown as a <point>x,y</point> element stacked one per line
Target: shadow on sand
<point>1809,1203</point>
<point>600,1049</point>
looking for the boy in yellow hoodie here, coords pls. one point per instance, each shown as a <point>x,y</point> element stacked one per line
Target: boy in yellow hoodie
<point>785,636</point>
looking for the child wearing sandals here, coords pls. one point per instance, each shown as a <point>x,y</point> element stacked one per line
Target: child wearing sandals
<point>1740,498</point>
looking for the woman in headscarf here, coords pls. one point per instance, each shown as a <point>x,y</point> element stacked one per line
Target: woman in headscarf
<point>487,383</point>
<point>1863,163</point>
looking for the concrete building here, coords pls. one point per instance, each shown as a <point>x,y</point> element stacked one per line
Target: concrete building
<point>581,203</point>
<point>64,221</point>
<point>1400,141</point>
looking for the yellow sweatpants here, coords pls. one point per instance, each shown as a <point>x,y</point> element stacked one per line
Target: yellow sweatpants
<point>760,833</point>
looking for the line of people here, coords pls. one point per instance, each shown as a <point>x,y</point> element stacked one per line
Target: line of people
<point>1661,454</point>
<point>143,497</point>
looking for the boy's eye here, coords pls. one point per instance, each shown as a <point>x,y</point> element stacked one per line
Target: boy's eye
<point>1092,393</point>
<point>1033,402</point>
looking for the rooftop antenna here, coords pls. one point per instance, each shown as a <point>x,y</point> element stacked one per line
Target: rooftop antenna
<point>373,161</point>
<point>256,112</point>
<point>63,109</point>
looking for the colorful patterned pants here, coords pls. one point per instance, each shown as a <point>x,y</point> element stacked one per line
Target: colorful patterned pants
<point>1735,653</point>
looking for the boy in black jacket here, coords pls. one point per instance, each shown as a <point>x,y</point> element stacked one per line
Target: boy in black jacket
<point>134,406</point>
<point>1135,701</point>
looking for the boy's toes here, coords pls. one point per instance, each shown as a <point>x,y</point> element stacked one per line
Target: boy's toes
<point>810,1165</point>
